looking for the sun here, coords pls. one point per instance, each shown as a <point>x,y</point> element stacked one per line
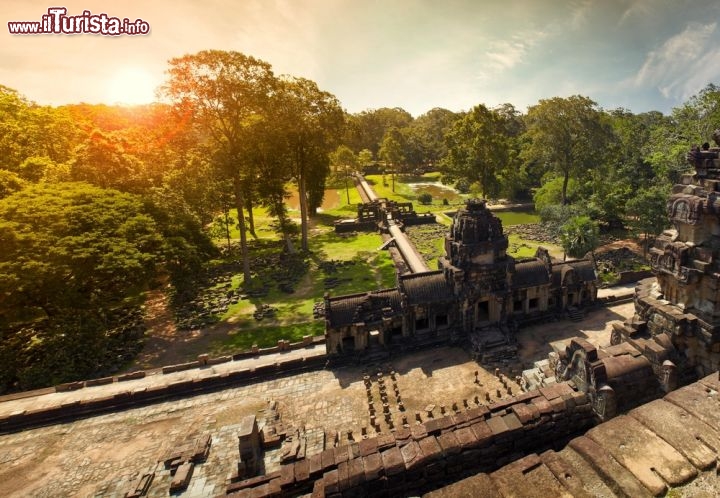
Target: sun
<point>131,86</point>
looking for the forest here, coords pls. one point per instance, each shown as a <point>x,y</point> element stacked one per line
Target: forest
<point>100,204</point>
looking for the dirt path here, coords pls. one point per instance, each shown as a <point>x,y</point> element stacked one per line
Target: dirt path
<point>620,244</point>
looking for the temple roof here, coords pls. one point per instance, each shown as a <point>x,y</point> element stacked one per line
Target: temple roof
<point>427,287</point>
<point>530,274</point>
<point>346,310</point>
<point>581,270</point>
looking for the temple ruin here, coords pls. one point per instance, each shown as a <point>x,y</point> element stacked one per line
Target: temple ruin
<point>478,294</point>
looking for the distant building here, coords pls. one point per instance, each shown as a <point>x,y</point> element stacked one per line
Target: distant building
<point>479,292</point>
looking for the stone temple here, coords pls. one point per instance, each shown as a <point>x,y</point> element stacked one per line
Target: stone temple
<point>479,294</point>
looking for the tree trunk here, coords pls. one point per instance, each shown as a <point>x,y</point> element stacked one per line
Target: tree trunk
<point>302,193</point>
<point>227,226</point>
<point>566,179</point>
<point>251,219</point>
<point>239,203</point>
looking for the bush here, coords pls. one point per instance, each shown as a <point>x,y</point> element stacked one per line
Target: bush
<point>462,186</point>
<point>425,198</point>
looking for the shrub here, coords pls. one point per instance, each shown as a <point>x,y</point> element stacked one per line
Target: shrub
<point>425,198</point>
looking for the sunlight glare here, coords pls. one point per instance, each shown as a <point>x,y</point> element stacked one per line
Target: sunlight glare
<point>131,86</point>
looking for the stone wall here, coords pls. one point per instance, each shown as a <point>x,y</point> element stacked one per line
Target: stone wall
<point>423,456</point>
<point>153,394</point>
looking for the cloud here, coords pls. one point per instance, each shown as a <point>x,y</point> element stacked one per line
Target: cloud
<point>579,14</point>
<point>683,64</point>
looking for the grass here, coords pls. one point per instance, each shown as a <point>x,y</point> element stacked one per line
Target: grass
<point>265,336</point>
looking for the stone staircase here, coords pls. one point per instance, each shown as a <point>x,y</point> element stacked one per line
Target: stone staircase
<point>540,375</point>
<point>575,314</point>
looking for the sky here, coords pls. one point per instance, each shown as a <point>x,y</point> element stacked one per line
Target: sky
<point>415,54</point>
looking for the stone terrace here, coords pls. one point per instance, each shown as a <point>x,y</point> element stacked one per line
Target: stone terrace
<point>103,455</point>
<point>668,443</point>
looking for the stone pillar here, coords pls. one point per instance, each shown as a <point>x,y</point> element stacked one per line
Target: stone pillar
<point>669,379</point>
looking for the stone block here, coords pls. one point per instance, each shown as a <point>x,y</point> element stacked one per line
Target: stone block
<point>393,461</point>
<point>412,455</point>
<point>430,448</point>
<point>287,475</point>
<point>542,405</point>
<point>356,473</point>
<point>302,470</point>
<point>368,446</point>
<point>523,412</point>
<point>477,412</point>
<point>449,443</point>
<point>418,431</point>
<point>182,477</point>
<point>607,467</point>
<point>385,441</point>
<point>315,464</point>
<point>372,466</point>
<point>330,484</point>
<point>341,454</point>
<point>343,476</point>
<point>328,459</point>
<point>483,433</point>
<point>497,425</point>
<point>466,438</point>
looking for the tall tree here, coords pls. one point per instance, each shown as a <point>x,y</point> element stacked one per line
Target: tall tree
<point>312,122</point>
<point>391,151</point>
<point>228,93</point>
<point>477,148</point>
<point>567,135</point>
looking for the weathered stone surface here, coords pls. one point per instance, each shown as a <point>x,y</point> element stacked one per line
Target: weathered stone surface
<point>393,462</point>
<point>430,448</point>
<point>466,438</point>
<point>618,478</point>
<point>522,412</point>
<point>592,483</point>
<point>449,443</point>
<point>372,465</point>
<point>690,436</point>
<point>565,474</point>
<point>368,446</point>
<point>528,477</point>
<point>182,477</point>
<point>700,400</point>
<point>497,425</point>
<point>649,458</point>
<point>479,485</point>
<point>412,455</point>
<point>512,422</point>
<point>482,432</point>
<point>356,472</point>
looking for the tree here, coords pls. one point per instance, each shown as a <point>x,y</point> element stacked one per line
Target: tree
<point>477,148</point>
<point>425,137</point>
<point>73,254</point>
<point>648,211</point>
<point>9,183</point>
<point>567,135</point>
<point>364,157</point>
<point>579,236</point>
<point>391,152</point>
<point>228,93</point>
<point>312,120</point>
<point>367,129</point>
